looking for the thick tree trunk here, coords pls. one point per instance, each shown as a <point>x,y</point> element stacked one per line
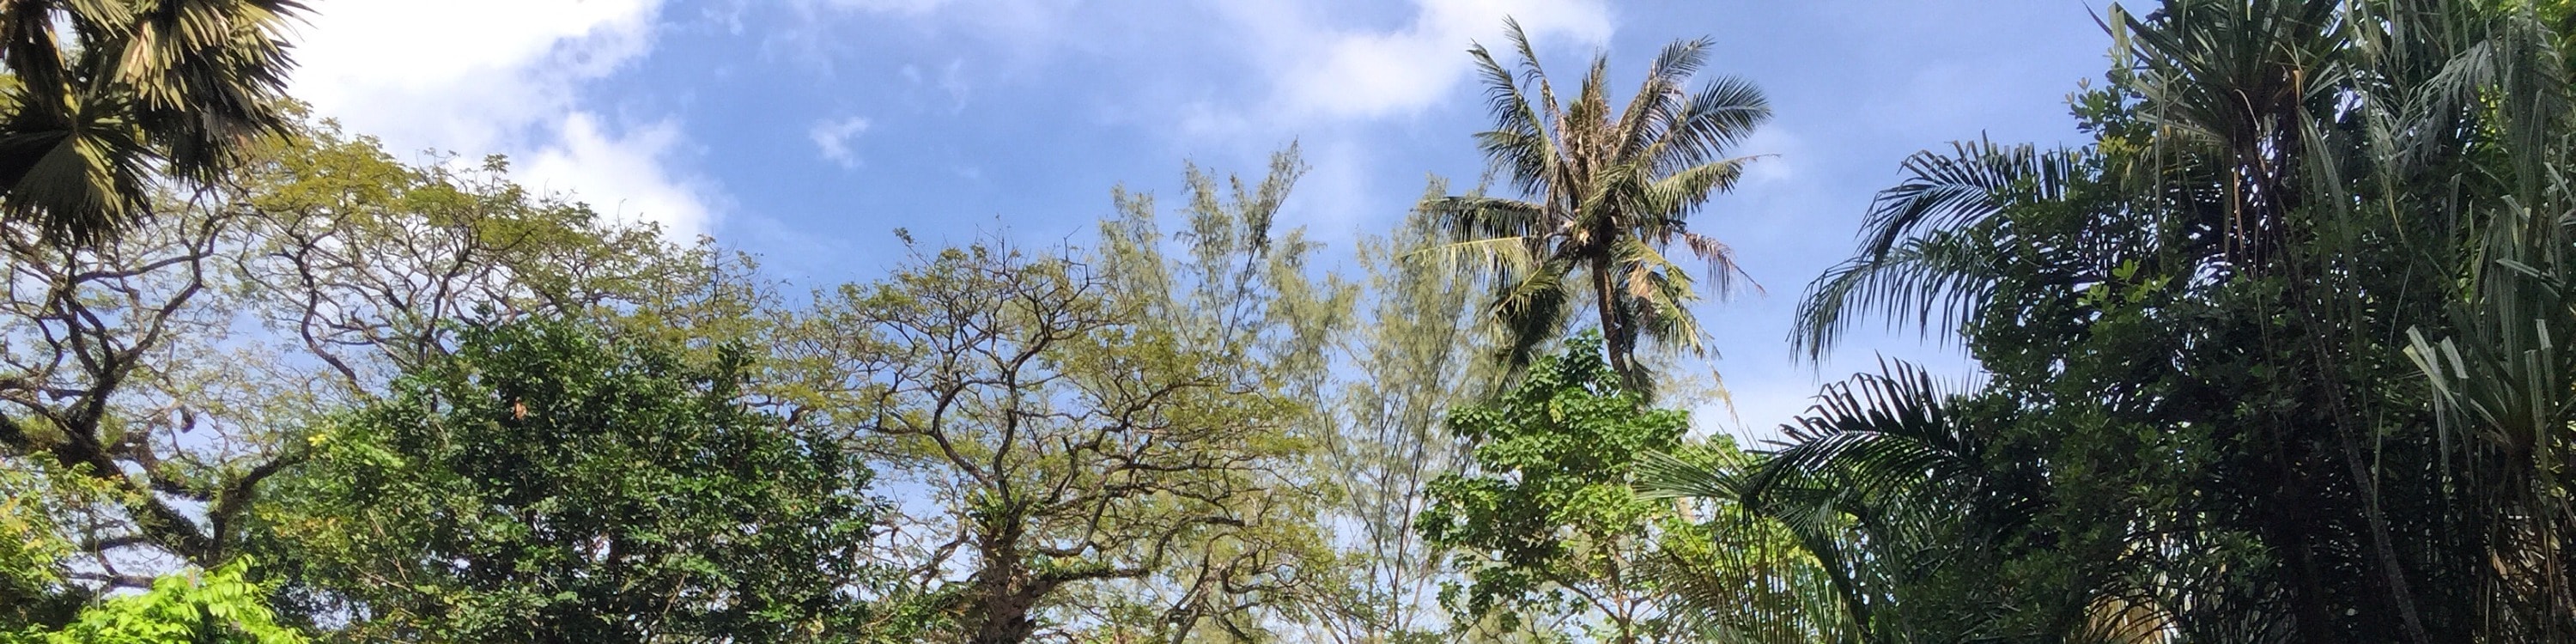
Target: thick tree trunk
<point>1006,593</point>
<point>1004,617</point>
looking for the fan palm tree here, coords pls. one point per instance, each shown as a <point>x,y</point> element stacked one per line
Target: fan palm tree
<point>102,94</point>
<point>1606,195</point>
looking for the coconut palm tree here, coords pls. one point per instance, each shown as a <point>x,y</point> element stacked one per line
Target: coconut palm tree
<point>104,95</point>
<point>1605,198</point>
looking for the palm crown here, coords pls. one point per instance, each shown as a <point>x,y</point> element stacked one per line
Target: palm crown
<point>1606,196</point>
<point>87,115</point>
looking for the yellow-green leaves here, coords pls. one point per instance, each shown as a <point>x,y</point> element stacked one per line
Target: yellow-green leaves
<point>197,606</point>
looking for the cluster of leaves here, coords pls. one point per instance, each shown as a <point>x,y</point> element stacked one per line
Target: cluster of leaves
<point>209,607</point>
<point>1547,521</point>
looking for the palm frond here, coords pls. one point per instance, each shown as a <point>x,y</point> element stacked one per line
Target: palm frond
<point>1718,117</point>
<point>1723,272</point>
<point>1520,143</point>
<point>1884,435</point>
<point>1651,112</point>
<point>1495,254</point>
<point>1933,282</point>
<point>1974,181</point>
<point>1685,190</point>
<point>1529,65</point>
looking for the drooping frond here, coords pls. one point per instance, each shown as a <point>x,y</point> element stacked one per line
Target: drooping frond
<point>1932,282</point>
<point>1475,217</point>
<point>1531,306</point>
<point>1883,435</point>
<point>1658,295</point>
<point>1723,272</point>
<point>1970,183</point>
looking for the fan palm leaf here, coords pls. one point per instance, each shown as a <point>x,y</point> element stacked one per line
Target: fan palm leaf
<point>109,94</point>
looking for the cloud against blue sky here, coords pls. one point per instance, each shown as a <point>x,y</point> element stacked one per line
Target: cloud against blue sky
<point>807,130</point>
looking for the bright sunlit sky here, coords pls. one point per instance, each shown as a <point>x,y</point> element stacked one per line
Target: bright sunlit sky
<point>807,130</point>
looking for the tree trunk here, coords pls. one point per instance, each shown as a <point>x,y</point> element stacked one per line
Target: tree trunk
<point>1614,335</point>
<point>1004,617</point>
<point>1005,592</point>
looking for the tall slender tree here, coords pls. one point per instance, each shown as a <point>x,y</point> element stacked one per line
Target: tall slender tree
<point>1606,195</point>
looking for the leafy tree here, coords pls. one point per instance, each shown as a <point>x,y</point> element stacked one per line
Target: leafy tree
<point>1419,353</point>
<point>105,96</point>
<point>1114,448</point>
<point>1545,521</point>
<point>549,484</point>
<point>1232,285</point>
<point>163,375</point>
<point>1606,195</point>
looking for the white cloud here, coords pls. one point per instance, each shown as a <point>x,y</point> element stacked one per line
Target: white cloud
<point>1356,73</point>
<point>500,76</point>
<point>832,137</point>
<point>621,176</point>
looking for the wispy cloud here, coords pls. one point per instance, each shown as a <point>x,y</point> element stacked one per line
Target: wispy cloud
<point>621,176</point>
<point>832,137</point>
<point>1337,86</point>
<point>447,75</point>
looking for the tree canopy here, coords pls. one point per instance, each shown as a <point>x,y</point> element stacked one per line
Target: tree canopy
<point>2270,356</point>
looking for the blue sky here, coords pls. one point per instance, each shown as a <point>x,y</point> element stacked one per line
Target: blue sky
<point>807,130</point>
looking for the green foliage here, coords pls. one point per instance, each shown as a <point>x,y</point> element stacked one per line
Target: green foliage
<point>1545,519</point>
<point>32,553</point>
<point>547,483</point>
<point>2209,336</point>
<point>159,378</point>
<point>207,607</point>
<point>1112,444</point>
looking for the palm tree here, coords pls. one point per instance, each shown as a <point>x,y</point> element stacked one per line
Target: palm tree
<point>1606,195</point>
<point>102,94</point>
<point>2315,185</point>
